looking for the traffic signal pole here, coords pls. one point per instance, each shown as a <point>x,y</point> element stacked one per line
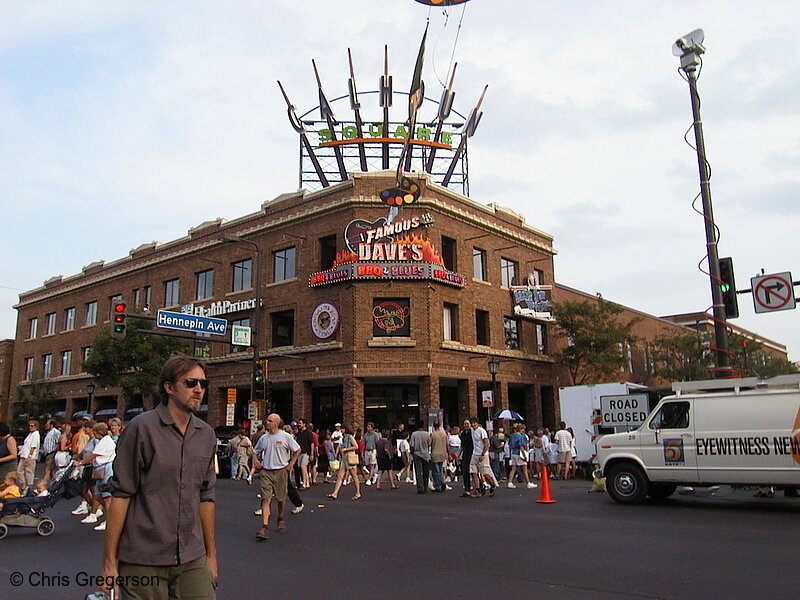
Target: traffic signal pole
<point>690,60</point>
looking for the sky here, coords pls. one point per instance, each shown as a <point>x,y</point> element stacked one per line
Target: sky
<point>122,123</point>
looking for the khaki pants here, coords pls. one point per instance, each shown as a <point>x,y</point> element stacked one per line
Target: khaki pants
<point>26,469</point>
<point>179,582</point>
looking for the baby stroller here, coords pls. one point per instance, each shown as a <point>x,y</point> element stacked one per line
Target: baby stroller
<point>29,511</point>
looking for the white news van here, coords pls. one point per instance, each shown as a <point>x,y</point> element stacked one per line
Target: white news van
<point>739,432</point>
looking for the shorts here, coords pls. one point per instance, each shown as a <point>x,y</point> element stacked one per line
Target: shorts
<point>102,488</point>
<point>370,457</point>
<point>190,580</point>
<point>517,460</point>
<point>274,484</point>
<point>565,457</point>
<point>302,460</point>
<point>480,465</point>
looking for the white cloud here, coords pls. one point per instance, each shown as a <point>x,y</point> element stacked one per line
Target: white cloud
<point>173,109</point>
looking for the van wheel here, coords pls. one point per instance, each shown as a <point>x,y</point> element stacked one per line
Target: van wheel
<point>626,483</point>
<point>660,491</point>
<point>3,530</point>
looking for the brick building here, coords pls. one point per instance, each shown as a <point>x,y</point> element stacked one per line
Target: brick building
<point>360,319</point>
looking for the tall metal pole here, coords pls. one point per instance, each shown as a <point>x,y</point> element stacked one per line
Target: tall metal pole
<point>690,60</point>
<point>255,333</point>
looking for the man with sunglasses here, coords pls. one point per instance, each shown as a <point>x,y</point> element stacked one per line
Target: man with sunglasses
<point>160,540</point>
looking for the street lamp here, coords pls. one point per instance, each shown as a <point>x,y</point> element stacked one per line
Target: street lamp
<point>90,393</point>
<point>256,330</point>
<point>494,367</point>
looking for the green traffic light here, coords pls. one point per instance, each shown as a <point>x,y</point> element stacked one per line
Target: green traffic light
<point>724,287</point>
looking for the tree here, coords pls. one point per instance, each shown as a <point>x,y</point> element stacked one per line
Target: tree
<point>683,356</point>
<point>134,362</point>
<point>34,399</point>
<point>596,343</point>
<point>751,360</point>
<point>688,356</point>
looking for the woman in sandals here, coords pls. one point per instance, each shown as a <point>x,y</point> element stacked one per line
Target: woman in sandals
<point>347,454</point>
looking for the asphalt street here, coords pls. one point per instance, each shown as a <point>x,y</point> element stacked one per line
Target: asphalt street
<point>399,544</point>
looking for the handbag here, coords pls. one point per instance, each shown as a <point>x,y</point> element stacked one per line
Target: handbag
<point>352,459</point>
<point>99,473</point>
<point>523,453</point>
<point>334,465</point>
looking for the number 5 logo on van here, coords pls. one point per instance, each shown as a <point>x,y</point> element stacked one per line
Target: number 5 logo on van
<point>673,451</point>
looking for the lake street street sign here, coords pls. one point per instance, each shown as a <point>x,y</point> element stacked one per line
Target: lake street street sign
<point>185,322</point>
<point>773,292</point>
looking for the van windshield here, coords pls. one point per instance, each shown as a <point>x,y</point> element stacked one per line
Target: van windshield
<point>672,415</point>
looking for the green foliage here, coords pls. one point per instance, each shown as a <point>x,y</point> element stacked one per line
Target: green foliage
<point>596,342</point>
<point>689,356</point>
<point>751,360</point>
<point>683,356</point>
<point>35,398</point>
<point>134,362</point>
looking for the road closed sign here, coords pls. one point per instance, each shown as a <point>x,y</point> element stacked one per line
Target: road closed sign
<point>629,410</point>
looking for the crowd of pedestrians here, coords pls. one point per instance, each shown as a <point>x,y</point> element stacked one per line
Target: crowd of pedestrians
<point>283,458</point>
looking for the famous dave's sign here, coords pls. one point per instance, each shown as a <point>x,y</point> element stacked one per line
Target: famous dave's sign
<point>388,250</point>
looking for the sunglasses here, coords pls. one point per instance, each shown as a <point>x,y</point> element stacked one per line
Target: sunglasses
<point>191,382</point>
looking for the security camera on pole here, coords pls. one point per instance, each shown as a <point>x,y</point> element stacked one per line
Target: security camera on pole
<point>689,48</point>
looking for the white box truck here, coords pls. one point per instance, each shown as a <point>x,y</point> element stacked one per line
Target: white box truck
<point>738,432</point>
<point>580,407</point>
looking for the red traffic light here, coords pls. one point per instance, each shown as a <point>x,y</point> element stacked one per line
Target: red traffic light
<point>119,316</point>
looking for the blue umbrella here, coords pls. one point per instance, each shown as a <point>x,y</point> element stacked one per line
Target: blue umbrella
<point>508,415</point>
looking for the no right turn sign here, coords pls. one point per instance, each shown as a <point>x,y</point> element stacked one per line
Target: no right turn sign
<point>773,292</point>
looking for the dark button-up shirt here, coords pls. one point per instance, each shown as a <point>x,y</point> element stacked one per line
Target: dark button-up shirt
<point>166,475</point>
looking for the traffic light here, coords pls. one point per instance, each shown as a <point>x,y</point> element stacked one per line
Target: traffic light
<point>728,286</point>
<point>118,325</point>
<point>260,369</point>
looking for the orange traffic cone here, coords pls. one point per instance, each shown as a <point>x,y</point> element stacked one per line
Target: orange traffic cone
<point>546,499</point>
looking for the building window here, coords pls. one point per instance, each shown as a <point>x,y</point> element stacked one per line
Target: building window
<point>91,313</point>
<point>69,318</point>
<point>137,297</point>
<point>205,284</point>
<point>508,272</point>
<point>449,246</point>
<point>112,302</point>
<point>536,277</point>
<point>283,263</point>
<point>47,365</point>
<point>511,328</point>
<point>283,328</point>
<point>50,324</point>
<point>66,362</point>
<point>28,368</point>
<point>479,264</point>
<point>450,321</point>
<point>148,297</point>
<point>85,351</point>
<point>240,323</point>
<point>327,252</point>
<point>481,327</point>
<point>541,338</point>
<point>242,275</point>
<point>391,317</point>
<point>33,327</point>
<point>172,292</point>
